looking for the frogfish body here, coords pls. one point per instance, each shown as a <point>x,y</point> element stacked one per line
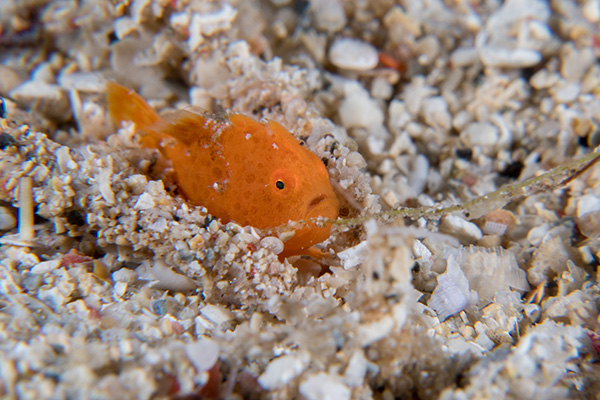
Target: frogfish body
<point>241,170</point>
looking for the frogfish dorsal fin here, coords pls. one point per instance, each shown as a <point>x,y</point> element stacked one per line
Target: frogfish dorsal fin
<point>189,125</point>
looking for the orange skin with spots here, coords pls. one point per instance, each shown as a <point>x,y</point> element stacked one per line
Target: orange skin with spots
<point>241,170</point>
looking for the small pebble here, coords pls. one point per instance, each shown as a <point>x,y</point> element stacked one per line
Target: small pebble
<point>565,93</point>
<point>435,112</point>
<point>9,79</point>
<point>359,110</point>
<point>503,58</point>
<point>7,219</point>
<point>45,267</point>
<point>480,134</point>
<point>575,63</point>
<point>586,204</point>
<point>464,56</point>
<point>466,231</point>
<point>49,98</point>
<point>591,10</point>
<point>353,54</point>
<point>124,275</point>
<point>329,15</point>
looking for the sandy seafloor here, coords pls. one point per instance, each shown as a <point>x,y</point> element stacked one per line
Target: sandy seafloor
<point>123,291</point>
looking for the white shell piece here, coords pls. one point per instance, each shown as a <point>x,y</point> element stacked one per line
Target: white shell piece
<point>144,202</point>
<point>323,386</point>
<point>272,243</point>
<point>494,228</point>
<point>215,314</point>
<point>356,369</point>
<point>282,370</point>
<point>168,279</point>
<point>452,294</point>
<point>159,225</point>
<point>45,267</point>
<point>92,82</point>
<point>490,271</point>
<point>104,185</point>
<point>354,256</point>
<point>375,331</point>
<point>203,354</point>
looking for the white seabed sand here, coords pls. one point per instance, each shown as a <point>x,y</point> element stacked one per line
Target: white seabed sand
<point>120,289</point>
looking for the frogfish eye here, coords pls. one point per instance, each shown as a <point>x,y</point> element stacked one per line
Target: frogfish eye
<point>282,182</point>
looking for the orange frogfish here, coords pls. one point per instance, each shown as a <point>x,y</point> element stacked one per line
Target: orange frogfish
<point>252,173</point>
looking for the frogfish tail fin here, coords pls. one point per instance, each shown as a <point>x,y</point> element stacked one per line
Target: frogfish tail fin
<point>126,105</point>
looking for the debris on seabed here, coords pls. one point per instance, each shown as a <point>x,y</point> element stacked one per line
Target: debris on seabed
<point>112,286</point>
